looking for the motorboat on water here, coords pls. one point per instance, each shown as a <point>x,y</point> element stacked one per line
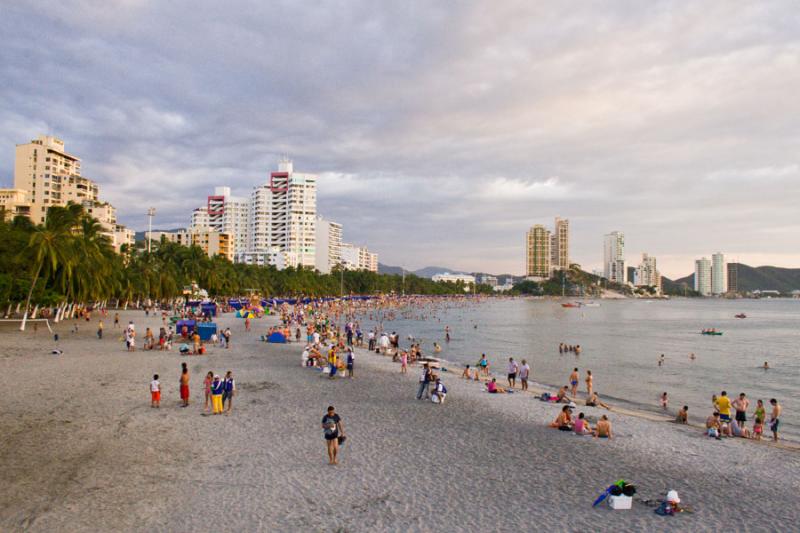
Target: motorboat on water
<point>571,304</point>
<point>741,315</point>
<point>710,332</point>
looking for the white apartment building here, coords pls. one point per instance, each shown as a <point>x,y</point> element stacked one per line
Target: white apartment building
<point>614,257</point>
<point>486,279</point>
<point>328,245</point>
<point>647,275</point>
<point>271,257</point>
<point>467,279</point>
<point>355,257</point>
<point>13,203</point>
<point>702,276</point>
<point>283,214</point>
<point>199,218</point>
<point>226,214</point>
<point>719,274</point>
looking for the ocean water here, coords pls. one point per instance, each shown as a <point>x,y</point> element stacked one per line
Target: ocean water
<point>622,342</point>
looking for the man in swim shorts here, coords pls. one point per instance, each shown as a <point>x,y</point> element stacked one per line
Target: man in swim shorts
<point>524,372</point>
<point>573,381</point>
<point>513,368</point>
<point>775,421</point>
<point>740,404</point>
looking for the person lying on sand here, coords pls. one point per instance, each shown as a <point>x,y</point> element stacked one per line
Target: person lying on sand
<point>594,401</point>
<point>563,421</point>
<point>493,388</point>
<point>603,429</point>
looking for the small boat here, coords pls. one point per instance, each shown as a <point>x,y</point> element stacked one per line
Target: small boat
<point>571,304</point>
<point>591,304</point>
<point>741,315</point>
<point>709,332</point>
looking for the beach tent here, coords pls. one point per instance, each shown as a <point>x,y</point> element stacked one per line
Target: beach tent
<point>277,337</point>
<point>209,308</point>
<point>190,325</point>
<point>206,329</point>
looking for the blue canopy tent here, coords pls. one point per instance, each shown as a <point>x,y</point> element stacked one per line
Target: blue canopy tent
<point>190,325</point>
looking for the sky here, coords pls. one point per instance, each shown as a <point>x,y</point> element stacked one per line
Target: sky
<point>440,131</point>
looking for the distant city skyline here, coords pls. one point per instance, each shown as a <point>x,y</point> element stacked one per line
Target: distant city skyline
<point>683,140</point>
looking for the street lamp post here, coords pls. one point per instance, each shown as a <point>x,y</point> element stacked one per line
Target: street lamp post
<point>150,214</point>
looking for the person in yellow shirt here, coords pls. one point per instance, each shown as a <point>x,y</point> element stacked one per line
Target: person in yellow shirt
<point>724,407</point>
<point>332,360</point>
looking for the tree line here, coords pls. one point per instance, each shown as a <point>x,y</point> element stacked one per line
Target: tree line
<point>68,260</point>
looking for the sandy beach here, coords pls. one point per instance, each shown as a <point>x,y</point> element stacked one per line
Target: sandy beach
<point>82,450</point>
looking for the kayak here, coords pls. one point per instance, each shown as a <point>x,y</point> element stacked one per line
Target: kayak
<point>710,333</point>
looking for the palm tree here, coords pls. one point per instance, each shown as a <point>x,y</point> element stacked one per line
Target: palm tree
<point>50,247</point>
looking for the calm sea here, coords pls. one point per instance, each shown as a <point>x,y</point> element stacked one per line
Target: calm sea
<point>622,342</point>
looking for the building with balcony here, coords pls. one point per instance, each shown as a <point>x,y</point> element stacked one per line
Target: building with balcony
<point>538,245</point>
<point>14,203</point>
<point>328,246</point>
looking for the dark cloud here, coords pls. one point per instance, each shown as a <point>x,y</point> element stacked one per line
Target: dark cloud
<point>441,131</point>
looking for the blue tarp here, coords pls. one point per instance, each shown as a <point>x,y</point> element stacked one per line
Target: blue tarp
<point>190,325</point>
<point>209,309</point>
<point>277,337</point>
<point>206,329</point>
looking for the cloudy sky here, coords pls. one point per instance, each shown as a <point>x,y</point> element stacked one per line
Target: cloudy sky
<point>440,130</point>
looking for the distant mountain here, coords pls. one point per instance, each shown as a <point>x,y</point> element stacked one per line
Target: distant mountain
<point>427,272</point>
<point>139,236</point>
<point>765,278</point>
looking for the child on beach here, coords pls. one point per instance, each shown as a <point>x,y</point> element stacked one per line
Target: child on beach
<point>758,428</point>
<point>155,392</point>
<point>664,401</point>
<point>207,389</point>
<point>184,385</point>
<point>404,362</point>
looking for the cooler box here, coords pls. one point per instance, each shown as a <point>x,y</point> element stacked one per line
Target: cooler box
<point>620,502</point>
<point>206,329</point>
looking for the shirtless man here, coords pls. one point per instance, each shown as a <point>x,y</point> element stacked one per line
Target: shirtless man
<point>713,426</point>
<point>740,404</point>
<point>603,429</point>
<point>573,381</point>
<point>524,372</point>
<point>562,397</point>
<point>594,401</point>
<point>563,421</point>
<point>774,421</point>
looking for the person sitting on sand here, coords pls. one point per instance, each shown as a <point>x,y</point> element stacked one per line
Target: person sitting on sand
<point>594,401</point>
<point>713,426</point>
<point>582,426</point>
<point>737,430</point>
<point>563,421</point>
<point>493,388</point>
<point>466,374</point>
<point>603,429</point>
<point>683,415</point>
<point>562,397</point>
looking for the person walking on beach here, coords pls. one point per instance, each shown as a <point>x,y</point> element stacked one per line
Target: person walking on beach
<point>116,320</point>
<point>217,388</point>
<point>424,381</point>
<point>513,368</point>
<point>775,418</point>
<point>589,383</point>
<point>350,362</point>
<point>573,381</point>
<point>740,405</point>
<point>404,362</point>
<point>100,329</point>
<point>207,389</point>
<point>524,372</point>
<point>155,392</point>
<point>228,390</point>
<point>332,362</point>
<point>333,431</point>
<point>184,385</point>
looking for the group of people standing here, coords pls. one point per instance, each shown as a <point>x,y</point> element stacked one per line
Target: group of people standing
<point>721,423</point>
<point>218,392</point>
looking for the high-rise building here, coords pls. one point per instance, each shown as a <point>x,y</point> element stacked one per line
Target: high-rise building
<point>559,259</point>
<point>647,274</point>
<point>283,214</point>
<point>50,176</point>
<point>733,278</point>
<point>719,274</point>
<point>328,244</point>
<point>538,246</point>
<point>702,276</point>
<point>200,218</point>
<point>226,214</point>
<point>614,257</point>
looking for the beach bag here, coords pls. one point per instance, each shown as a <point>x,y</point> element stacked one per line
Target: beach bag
<point>665,509</point>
